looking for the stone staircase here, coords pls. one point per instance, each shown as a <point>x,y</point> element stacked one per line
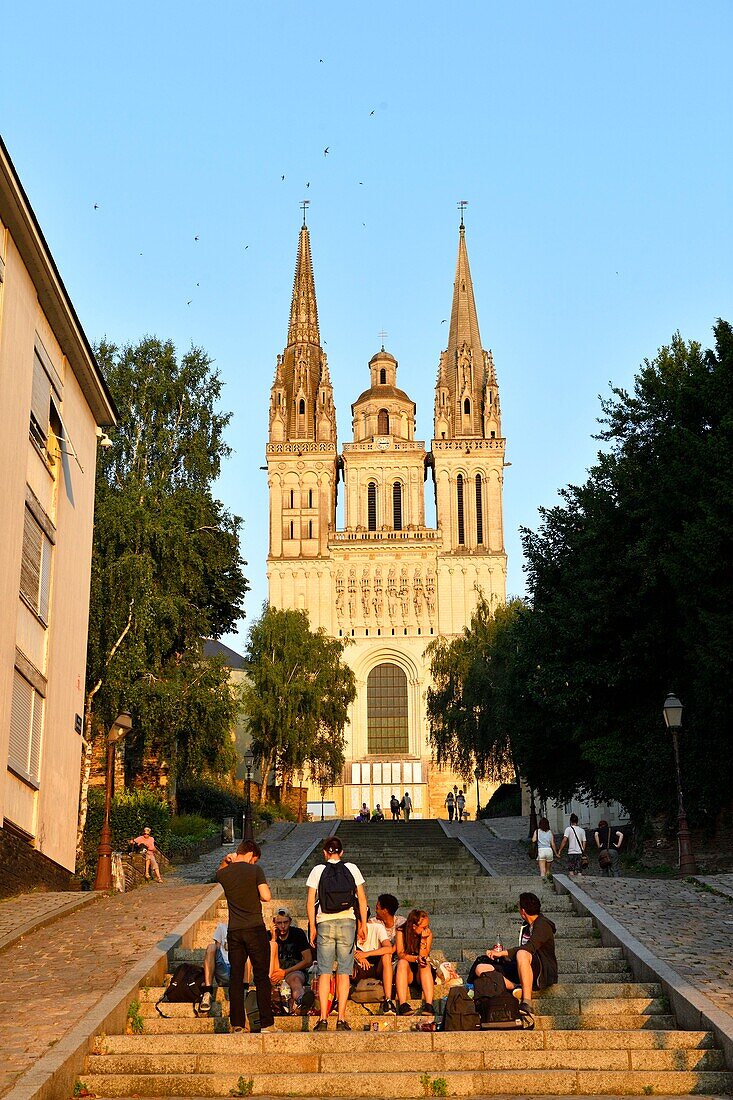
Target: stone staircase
<point>597,1031</point>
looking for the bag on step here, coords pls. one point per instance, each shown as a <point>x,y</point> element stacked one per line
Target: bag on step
<point>497,1008</point>
<point>367,991</point>
<point>460,1011</point>
<point>604,859</point>
<point>185,987</point>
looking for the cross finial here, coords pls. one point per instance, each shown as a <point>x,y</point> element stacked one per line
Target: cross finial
<point>304,206</point>
<point>462,206</point>
<point>382,336</point>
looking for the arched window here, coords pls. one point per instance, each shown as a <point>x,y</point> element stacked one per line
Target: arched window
<point>372,506</point>
<point>387,731</point>
<point>397,505</point>
<point>467,407</point>
<point>459,501</point>
<point>479,511</point>
<point>292,499</point>
<point>291,529</point>
<point>301,407</point>
<point>382,377</point>
<point>310,498</point>
<point>382,422</point>
<point>310,528</point>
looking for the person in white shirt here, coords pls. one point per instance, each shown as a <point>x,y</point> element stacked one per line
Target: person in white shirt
<point>406,805</point>
<point>216,965</point>
<point>338,890</point>
<point>546,850</point>
<point>373,959</point>
<point>574,838</point>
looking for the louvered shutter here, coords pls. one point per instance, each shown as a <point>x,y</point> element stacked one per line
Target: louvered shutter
<point>34,765</point>
<point>40,402</point>
<point>45,586</point>
<point>21,716</point>
<point>30,568</point>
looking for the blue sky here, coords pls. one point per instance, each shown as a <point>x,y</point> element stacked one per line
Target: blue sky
<point>591,140</point>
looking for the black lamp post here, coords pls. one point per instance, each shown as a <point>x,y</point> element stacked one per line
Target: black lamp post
<point>672,711</point>
<point>477,774</point>
<point>532,815</point>
<point>119,729</point>
<point>247,832</point>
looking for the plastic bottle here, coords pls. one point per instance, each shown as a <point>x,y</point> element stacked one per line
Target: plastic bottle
<point>498,946</point>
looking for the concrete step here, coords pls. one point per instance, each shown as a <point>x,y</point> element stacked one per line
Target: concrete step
<point>554,1082</point>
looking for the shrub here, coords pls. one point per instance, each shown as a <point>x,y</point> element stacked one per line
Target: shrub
<point>192,826</point>
<point>506,801</point>
<point>211,800</point>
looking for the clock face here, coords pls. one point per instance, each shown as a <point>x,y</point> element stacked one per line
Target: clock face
<point>383,443</point>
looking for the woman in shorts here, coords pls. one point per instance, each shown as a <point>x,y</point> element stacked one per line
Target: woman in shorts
<point>413,941</point>
<point>546,850</point>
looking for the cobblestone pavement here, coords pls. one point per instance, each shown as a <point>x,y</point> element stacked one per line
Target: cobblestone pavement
<point>279,852</point>
<point>686,926</point>
<point>21,914</point>
<point>55,975</point>
<point>722,883</point>
<point>509,828</point>
<point>506,857</point>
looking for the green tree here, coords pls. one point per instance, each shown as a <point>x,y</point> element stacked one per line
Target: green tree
<point>166,566</point>
<point>296,696</point>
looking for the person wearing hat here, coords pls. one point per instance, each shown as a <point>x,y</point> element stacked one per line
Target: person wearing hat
<point>290,958</point>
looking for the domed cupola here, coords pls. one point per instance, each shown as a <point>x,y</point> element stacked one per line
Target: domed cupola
<point>383,411</point>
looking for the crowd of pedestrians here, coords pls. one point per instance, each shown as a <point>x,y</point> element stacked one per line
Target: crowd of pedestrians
<point>348,945</point>
<point>608,842</point>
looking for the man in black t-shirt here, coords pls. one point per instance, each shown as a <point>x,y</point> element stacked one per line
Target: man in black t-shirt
<point>245,887</point>
<point>290,959</point>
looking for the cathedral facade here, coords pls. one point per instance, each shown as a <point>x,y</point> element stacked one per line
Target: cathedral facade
<point>386,581</point>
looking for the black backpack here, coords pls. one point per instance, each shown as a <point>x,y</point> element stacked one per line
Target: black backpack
<point>185,987</point>
<point>336,889</point>
<point>496,1006</point>
<point>460,1011</point>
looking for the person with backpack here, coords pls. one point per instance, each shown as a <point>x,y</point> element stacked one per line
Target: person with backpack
<point>608,842</point>
<point>575,839</point>
<point>245,887</point>
<point>335,896</point>
<point>531,965</point>
<point>450,804</point>
<point>394,805</point>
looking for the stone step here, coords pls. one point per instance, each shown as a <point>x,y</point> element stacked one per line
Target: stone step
<point>375,1042</point>
<point>465,929</point>
<point>436,905</point>
<point>554,1082</point>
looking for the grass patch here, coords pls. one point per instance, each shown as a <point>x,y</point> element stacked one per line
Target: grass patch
<point>243,1087</point>
<point>135,1022</point>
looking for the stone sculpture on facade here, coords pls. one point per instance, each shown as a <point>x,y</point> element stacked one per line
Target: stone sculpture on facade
<point>365,590</point>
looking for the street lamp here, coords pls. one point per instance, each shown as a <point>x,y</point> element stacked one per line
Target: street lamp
<point>247,832</point>
<point>672,711</point>
<point>301,777</point>
<point>119,729</point>
<point>532,814</point>
<point>477,774</point>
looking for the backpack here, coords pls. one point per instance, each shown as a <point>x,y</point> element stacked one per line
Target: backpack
<point>460,1011</point>
<point>402,804</point>
<point>496,1006</point>
<point>336,889</point>
<point>367,991</point>
<point>185,987</point>
<point>394,805</point>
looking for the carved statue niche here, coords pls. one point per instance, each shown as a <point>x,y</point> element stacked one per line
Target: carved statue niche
<point>417,593</point>
<point>352,594</point>
<point>404,592</point>
<point>392,593</point>
<point>377,597</point>
<point>365,588</point>
<point>464,366</point>
<point>340,594</point>
<point>430,593</point>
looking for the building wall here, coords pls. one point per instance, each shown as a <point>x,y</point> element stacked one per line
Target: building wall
<point>51,480</point>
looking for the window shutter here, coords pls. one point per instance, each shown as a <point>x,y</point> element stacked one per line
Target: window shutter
<point>21,714</point>
<point>30,567</point>
<point>34,767</point>
<point>45,588</point>
<point>40,402</point>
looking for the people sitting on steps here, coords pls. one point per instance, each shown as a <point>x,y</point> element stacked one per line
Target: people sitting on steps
<point>337,917</point>
<point>363,814</point>
<point>377,813</point>
<point>290,959</point>
<point>414,940</point>
<point>216,966</point>
<point>373,959</point>
<point>533,963</point>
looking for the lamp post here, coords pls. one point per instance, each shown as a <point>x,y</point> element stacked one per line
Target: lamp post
<point>672,711</point>
<point>119,729</point>
<point>532,815</point>
<point>323,792</point>
<point>247,832</point>
<point>301,776</point>
<point>477,774</point>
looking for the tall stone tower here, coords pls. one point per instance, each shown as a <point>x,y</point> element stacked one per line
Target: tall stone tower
<point>386,581</point>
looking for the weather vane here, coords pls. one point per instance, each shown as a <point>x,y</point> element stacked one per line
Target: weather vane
<point>382,336</point>
<point>462,206</point>
<point>304,206</point>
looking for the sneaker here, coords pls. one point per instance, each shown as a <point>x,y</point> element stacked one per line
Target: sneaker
<point>322,1025</point>
<point>306,1002</point>
<point>404,1009</point>
<point>392,1010</point>
<point>267,1030</point>
<point>341,1025</point>
<point>525,1012</point>
<point>236,1030</point>
<point>205,1006</point>
<point>517,992</point>
<point>426,1009</point>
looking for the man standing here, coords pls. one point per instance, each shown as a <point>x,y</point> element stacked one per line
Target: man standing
<point>338,890</point>
<point>460,804</point>
<point>291,958</point>
<point>575,838</point>
<point>407,805</point>
<point>245,887</point>
<point>450,804</point>
<point>533,964</point>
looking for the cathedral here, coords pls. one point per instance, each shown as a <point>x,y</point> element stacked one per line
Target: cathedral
<point>385,580</point>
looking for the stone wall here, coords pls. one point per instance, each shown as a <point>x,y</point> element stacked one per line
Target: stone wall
<point>23,868</point>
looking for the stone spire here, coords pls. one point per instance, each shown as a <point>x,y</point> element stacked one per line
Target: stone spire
<point>465,368</point>
<point>303,327</point>
<point>301,398</point>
